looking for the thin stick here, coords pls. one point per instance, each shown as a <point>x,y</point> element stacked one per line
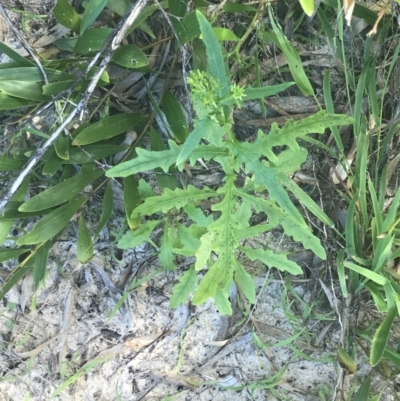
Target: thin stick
<point>115,38</point>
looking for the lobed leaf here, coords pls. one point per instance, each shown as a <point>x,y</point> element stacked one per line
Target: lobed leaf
<point>272,259</point>
<point>246,283</point>
<point>182,290</point>
<point>146,160</point>
<point>131,239</point>
<point>172,199</point>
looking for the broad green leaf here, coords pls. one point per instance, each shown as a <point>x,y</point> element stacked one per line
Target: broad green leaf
<point>85,244</point>
<point>13,279</point>
<point>375,277</point>
<point>166,256</point>
<point>175,116</point>
<point>144,14</point>
<point>265,91</point>
<point>108,128</point>
<point>172,199</point>
<point>121,7</point>
<point>182,290</point>
<point>32,74</point>
<point>61,146</point>
<point>362,393</point>
<point>293,58</point>
<point>207,287</point>
<point>215,60</point>
<point>19,196</point>
<point>67,44</point>
<point>24,90</point>
<point>7,164</point>
<point>13,103</point>
<point>187,28</point>
<point>92,11</point>
<point>130,56</point>
<point>178,7</point>
<point>40,263</point>
<point>65,14</point>
<point>381,336</point>
<point>223,34</point>
<point>92,40</point>
<point>56,87</point>
<point>50,225</point>
<point>307,6</point>
<point>271,259</point>
<point>131,239</point>
<point>377,296</point>
<point>131,200</point>
<point>15,56</point>
<point>245,283</point>
<point>107,208</point>
<point>11,253</point>
<point>238,8</point>
<point>204,250</point>
<point>221,299</point>
<point>60,193</point>
<point>96,152</point>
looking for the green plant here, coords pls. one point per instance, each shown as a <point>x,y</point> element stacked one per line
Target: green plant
<point>371,233</point>
<point>217,240</point>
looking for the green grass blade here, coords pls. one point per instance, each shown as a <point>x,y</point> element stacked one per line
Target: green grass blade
<point>381,336</point>
<point>293,58</point>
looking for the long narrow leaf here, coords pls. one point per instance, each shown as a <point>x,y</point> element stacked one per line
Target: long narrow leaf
<point>381,337</point>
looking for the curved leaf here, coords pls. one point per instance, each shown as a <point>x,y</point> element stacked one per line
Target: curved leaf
<point>381,336</point>
<point>7,164</point>
<point>50,225</point>
<point>65,14</point>
<point>92,11</point>
<point>60,193</point>
<point>85,244</point>
<point>108,127</point>
<point>92,41</point>
<point>130,56</point>
<point>215,60</point>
